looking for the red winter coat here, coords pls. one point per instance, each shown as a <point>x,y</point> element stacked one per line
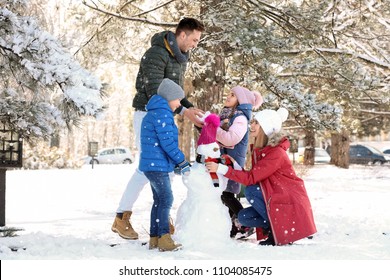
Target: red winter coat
<point>288,205</point>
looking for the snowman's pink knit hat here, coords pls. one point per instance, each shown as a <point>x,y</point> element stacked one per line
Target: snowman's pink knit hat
<point>209,130</point>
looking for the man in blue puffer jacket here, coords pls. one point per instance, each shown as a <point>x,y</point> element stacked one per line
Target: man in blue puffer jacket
<point>160,154</point>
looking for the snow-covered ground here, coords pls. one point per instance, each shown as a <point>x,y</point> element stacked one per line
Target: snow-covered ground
<point>67,215</point>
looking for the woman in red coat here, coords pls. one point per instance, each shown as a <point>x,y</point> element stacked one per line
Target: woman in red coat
<point>278,198</point>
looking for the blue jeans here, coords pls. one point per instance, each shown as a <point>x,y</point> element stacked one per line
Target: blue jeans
<point>162,202</point>
<point>255,215</point>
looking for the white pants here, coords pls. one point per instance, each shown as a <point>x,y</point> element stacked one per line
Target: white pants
<point>138,180</point>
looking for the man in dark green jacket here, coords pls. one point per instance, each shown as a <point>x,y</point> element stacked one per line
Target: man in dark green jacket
<point>166,58</point>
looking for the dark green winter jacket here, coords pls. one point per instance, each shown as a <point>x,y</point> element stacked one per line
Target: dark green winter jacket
<point>162,60</point>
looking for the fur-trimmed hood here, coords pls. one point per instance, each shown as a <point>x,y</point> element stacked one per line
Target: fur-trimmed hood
<point>279,138</point>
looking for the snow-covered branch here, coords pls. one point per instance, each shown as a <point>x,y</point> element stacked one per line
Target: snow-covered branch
<point>366,58</point>
<point>376,112</point>
<point>133,18</point>
<point>36,66</point>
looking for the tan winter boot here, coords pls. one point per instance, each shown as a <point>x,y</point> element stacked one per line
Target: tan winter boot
<point>153,242</point>
<point>123,227</point>
<point>171,226</point>
<point>165,243</point>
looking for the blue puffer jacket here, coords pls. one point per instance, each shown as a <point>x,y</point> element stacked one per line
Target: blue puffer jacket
<point>159,138</point>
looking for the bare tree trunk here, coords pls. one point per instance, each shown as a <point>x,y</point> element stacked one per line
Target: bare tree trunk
<point>310,140</point>
<point>70,145</point>
<point>211,82</point>
<point>185,136</point>
<point>185,126</point>
<point>104,138</point>
<point>213,85</point>
<point>340,149</point>
<point>55,141</point>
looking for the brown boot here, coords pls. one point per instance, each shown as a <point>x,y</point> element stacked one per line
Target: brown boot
<point>123,227</point>
<point>171,226</point>
<point>153,242</point>
<point>165,243</point>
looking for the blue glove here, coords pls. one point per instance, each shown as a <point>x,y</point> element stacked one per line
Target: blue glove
<point>183,168</point>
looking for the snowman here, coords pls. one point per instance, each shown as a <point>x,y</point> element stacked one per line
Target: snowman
<point>202,220</point>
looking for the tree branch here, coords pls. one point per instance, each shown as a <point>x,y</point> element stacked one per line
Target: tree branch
<point>366,58</point>
<point>376,113</point>
<point>280,18</point>
<point>333,23</point>
<point>101,26</point>
<point>369,119</point>
<point>112,16</point>
<point>134,18</point>
<point>5,49</point>
<point>156,8</point>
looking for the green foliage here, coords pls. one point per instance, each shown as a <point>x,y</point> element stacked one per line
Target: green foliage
<point>9,231</point>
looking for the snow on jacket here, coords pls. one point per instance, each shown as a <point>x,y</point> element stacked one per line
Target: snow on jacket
<point>235,140</point>
<point>159,62</point>
<point>159,138</point>
<point>288,205</point>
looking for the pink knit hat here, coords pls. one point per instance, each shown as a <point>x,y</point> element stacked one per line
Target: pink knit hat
<point>245,96</point>
<point>208,134</point>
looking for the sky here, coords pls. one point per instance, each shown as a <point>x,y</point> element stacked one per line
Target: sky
<point>66,215</point>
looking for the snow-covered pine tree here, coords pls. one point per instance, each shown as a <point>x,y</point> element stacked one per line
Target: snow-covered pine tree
<point>286,49</point>
<point>320,58</point>
<point>253,38</point>
<point>42,87</point>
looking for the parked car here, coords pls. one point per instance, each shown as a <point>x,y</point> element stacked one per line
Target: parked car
<point>320,155</point>
<point>364,154</point>
<point>116,155</point>
<point>386,152</point>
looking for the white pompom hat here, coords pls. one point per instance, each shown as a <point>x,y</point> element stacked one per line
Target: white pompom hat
<point>271,120</point>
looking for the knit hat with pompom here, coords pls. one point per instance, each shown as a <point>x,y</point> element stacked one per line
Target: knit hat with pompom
<point>271,120</point>
<point>245,96</point>
<point>207,142</point>
<point>209,130</point>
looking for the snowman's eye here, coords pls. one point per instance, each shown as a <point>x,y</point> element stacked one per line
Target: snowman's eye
<point>215,149</point>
